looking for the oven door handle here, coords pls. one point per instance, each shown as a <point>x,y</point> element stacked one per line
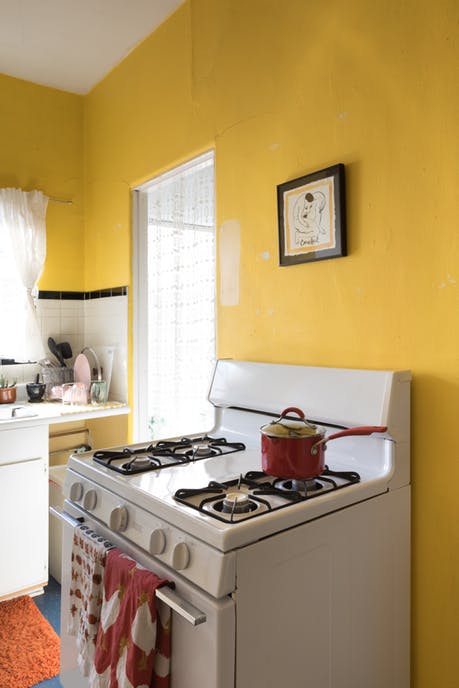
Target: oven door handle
<point>62,516</point>
<point>186,610</point>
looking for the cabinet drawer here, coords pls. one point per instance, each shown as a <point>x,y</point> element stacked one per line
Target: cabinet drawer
<point>21,444</point>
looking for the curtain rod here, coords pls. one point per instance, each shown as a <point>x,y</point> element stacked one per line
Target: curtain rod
<point>59,200</point>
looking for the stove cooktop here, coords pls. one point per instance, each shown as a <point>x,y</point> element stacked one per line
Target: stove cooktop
<point>174,493</point>
<point>246,396</point>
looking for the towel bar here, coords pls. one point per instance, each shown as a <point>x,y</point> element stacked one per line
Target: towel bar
<point>186,610</point>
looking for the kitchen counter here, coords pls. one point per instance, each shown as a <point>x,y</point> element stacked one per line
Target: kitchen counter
<point>51,412</point>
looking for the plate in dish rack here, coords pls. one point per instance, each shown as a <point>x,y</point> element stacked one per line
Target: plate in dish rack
<point>82,370</point>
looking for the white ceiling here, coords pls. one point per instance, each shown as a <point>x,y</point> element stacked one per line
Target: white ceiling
<point>72,44</point>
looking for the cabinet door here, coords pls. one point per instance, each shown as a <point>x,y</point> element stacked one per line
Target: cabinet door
<point>23,526</point>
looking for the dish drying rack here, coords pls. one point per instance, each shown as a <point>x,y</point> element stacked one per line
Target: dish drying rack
<point>55,376</point>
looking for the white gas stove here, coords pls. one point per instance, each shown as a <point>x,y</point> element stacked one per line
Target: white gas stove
<point>200,511</point>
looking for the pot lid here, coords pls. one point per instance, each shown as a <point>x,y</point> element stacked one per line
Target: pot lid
<point>290,427</point>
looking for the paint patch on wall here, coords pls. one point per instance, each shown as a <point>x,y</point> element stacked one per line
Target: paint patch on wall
<point>229,253</point>
<point>449,281</point>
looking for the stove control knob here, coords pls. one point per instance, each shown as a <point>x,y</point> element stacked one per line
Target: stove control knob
<point>76,491</point>
<point>157,541</point>
<point>90,500</point>
<point>180,556</point>
<point>118,519</point>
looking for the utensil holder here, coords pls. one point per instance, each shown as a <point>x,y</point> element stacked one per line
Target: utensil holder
<point>55,376</point>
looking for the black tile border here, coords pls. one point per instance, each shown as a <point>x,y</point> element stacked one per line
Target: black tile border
<point>103,293</point>
<point>61,295</point>
<point>83,295</point>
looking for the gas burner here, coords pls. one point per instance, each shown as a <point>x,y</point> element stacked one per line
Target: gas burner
<point>205,447</point>
<point>325,482</point>
<point>137,462</point>
<point>165,454</point>
<point>233,507</point>
<point>231,501</point>
<point>141,465</point>
<point>203,450</point>
<point>140,460</point>
<point>236,502</point>
<point>302,486</point>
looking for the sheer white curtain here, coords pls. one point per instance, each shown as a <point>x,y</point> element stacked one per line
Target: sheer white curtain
<point>181,300</point>
<point>22,257</point>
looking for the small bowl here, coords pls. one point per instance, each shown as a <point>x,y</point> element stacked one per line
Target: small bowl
<point>35,391</point>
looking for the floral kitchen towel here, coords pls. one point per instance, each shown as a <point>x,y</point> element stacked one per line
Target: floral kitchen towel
<point>134,641</point>
<point>89,553</point>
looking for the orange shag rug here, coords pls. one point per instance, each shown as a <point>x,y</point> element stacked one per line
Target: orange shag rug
<point>29,647</point>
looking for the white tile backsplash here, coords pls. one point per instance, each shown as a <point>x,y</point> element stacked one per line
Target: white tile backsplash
<point>106,325</point>
<point>96,323</point>
<point>64,321</point>
<point>50,326</point>
<point>22,373</point>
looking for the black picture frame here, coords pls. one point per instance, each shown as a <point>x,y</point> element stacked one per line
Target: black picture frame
<point>312,217</point>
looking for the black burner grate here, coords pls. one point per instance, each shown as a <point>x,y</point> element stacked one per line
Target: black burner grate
<point>259,487</point>
<point>165,453</point>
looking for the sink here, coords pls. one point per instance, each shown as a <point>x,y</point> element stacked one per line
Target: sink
<point>21,412</point>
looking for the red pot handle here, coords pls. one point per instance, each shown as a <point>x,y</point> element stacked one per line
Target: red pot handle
<point>292,409</point>
<point>363,430</point>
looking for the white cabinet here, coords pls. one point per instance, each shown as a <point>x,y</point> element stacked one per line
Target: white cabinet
<point>24,490</point>
<point>23,510</point>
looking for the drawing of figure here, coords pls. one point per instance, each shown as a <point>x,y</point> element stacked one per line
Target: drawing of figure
<point>308,218</point>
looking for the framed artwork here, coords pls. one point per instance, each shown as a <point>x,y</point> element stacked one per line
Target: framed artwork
<point>312,217</point>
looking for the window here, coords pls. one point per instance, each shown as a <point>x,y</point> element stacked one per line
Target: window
<point>12,303</point>
<point>174,301</point>
<point>22,257</point>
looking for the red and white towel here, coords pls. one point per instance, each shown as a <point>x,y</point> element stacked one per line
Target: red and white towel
<point>89,553</point>
<point>134,641</point>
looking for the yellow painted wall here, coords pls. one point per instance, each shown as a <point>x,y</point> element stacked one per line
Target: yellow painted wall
<point>281,89</point>
<point>373,87</point>
<point>41,147</point>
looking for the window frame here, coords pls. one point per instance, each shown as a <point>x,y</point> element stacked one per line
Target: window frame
<point>140,295</point>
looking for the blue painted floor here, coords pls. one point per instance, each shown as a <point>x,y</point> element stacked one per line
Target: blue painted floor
<point>50,606</point>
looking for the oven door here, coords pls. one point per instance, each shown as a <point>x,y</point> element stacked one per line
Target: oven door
<point>202,650</point>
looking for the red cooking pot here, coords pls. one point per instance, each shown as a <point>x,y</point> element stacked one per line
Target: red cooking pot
<point>295,449</point>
